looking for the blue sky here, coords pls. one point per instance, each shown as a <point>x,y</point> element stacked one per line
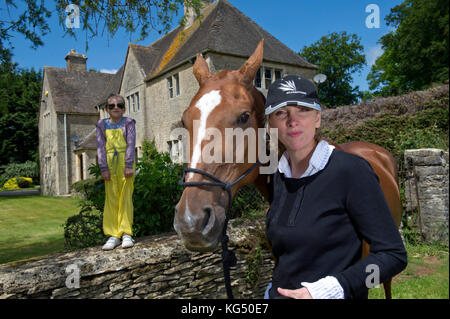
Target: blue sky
<point>296,23</point>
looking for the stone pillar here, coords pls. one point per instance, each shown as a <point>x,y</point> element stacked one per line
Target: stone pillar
<point>426,190</point>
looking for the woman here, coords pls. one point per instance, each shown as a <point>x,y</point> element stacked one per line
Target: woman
<point>323,203</point>
<point>116,140</point>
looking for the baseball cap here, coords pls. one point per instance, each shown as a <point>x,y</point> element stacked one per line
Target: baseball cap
<point>292,90</point>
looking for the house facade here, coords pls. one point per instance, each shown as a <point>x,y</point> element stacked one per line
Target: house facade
<point>158,83</point>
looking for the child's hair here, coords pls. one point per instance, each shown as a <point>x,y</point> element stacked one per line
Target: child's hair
<point>114,95</point>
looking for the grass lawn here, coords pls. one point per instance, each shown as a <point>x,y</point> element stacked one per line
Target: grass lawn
<point>32,226</point>
<point>425,277</point>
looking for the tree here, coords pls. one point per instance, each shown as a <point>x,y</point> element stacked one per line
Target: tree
<point>31,19</point>
<point>338,56</point>
<point>416,52</point>
<point>20,92</point>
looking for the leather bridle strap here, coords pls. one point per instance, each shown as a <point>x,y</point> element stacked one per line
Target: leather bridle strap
<point>228,257</point>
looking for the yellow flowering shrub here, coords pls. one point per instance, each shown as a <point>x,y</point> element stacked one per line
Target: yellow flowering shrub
<point>13,184</point>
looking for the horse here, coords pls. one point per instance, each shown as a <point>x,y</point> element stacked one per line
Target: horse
<point>229,99</point>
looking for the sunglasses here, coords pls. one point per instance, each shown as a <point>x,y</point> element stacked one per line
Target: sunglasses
<point>119,105</point>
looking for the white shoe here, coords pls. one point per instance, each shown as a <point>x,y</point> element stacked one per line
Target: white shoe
<point>111,243</point>
<point>127,241</point>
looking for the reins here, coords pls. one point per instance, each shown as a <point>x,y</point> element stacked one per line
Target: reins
<point>228,256</point>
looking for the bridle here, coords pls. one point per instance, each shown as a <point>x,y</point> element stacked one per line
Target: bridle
<point>228,257</point>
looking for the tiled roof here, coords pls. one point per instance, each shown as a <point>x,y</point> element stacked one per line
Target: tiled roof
<point>226,30</point>
<point>74,91</point>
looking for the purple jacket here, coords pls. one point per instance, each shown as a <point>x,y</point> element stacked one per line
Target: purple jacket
<point>129,133</point>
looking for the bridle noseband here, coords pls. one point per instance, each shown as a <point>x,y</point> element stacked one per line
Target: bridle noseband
<point>228,257</point>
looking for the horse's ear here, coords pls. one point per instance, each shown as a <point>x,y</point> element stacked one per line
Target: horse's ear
<point>201,69</point>
<point>251,66</point>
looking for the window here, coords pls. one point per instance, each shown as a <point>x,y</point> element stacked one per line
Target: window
<point>177,84</point>
<point>133,103</point>
<point>173,85</point>
<point>266,76</point>
<point>170,87</point>
<point>277,74</point>
<point>137,101</point>
<point>258,79</point>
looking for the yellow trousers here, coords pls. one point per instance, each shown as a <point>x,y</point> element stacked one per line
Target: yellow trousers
<point>118,212</point>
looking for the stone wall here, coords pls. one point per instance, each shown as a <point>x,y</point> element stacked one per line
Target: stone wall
<point>426,191</point>
<point>407,104</point>
<point>157,267</point>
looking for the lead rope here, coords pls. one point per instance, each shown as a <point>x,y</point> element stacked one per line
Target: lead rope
<point>228,256</point>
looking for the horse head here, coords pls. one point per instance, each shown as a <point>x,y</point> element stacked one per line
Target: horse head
<point>225,102</point>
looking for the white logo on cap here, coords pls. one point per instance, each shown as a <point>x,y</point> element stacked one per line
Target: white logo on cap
<point>290,88</point>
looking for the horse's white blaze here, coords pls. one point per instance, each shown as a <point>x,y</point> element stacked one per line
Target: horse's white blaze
<point>189,218</point>
<point>206,105</point>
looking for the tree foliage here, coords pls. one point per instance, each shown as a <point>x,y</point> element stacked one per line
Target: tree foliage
<point>338,56</point>
<point>30,18</point>
<point>20,92</point>
<point>416,52</point>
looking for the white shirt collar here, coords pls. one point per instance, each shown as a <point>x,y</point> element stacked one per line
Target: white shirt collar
<point>317,162</point>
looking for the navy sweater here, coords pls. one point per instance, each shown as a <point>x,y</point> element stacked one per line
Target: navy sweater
<point>316,225</point>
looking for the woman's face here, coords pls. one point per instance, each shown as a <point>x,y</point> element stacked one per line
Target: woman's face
<point>296,126</point>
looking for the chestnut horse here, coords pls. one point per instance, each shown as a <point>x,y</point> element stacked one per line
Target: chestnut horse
<point>229,99</point>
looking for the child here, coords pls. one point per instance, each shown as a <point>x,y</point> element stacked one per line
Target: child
<point>116,139</point>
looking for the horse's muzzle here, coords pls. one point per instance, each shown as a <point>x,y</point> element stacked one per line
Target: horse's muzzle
<point>199,230</point>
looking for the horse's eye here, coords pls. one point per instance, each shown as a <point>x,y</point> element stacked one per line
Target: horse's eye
<point>243,118</point>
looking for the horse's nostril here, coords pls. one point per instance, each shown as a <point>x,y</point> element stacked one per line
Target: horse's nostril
<point>207,219</point>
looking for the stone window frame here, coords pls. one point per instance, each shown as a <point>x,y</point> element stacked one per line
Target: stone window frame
<point>133,103</point>
<point>173,85</point>
<point>262,82</point>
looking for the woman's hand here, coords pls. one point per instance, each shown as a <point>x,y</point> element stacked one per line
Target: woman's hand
<point>128,172</point>
<point>106,176</point>
<point>301,293</point>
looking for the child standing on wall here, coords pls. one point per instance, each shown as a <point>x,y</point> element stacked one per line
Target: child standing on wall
<point>116,140</point>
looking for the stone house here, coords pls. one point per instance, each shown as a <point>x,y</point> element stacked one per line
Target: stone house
<point>158,84</point>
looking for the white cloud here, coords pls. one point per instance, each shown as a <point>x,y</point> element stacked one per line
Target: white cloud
<point>110,71</point>
<point>373,53</point>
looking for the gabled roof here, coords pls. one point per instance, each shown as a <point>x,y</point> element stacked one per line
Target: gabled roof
<point>226,30</point>
<point>113,86</point>
<point>149,57</point>
<point>74,91</point>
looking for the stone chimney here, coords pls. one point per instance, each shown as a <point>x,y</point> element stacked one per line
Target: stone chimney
<point>189,12</point>
<point>75,61</point>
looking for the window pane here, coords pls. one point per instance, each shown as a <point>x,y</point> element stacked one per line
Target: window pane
<point>137,101</point>
<point>177,84</point>
<point>277,74</point>
<point>267,77</point>
<point>170,87</point>
<point>133,103</point>
<point>258,79</point>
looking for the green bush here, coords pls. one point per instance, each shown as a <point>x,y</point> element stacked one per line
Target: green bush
<point>84,229</point>
<point>156,192</point>
<point>428,128</point>
<point>28,169</point>
<point>22,182</point>
<point>92,190</point>
<point>247,202</point>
